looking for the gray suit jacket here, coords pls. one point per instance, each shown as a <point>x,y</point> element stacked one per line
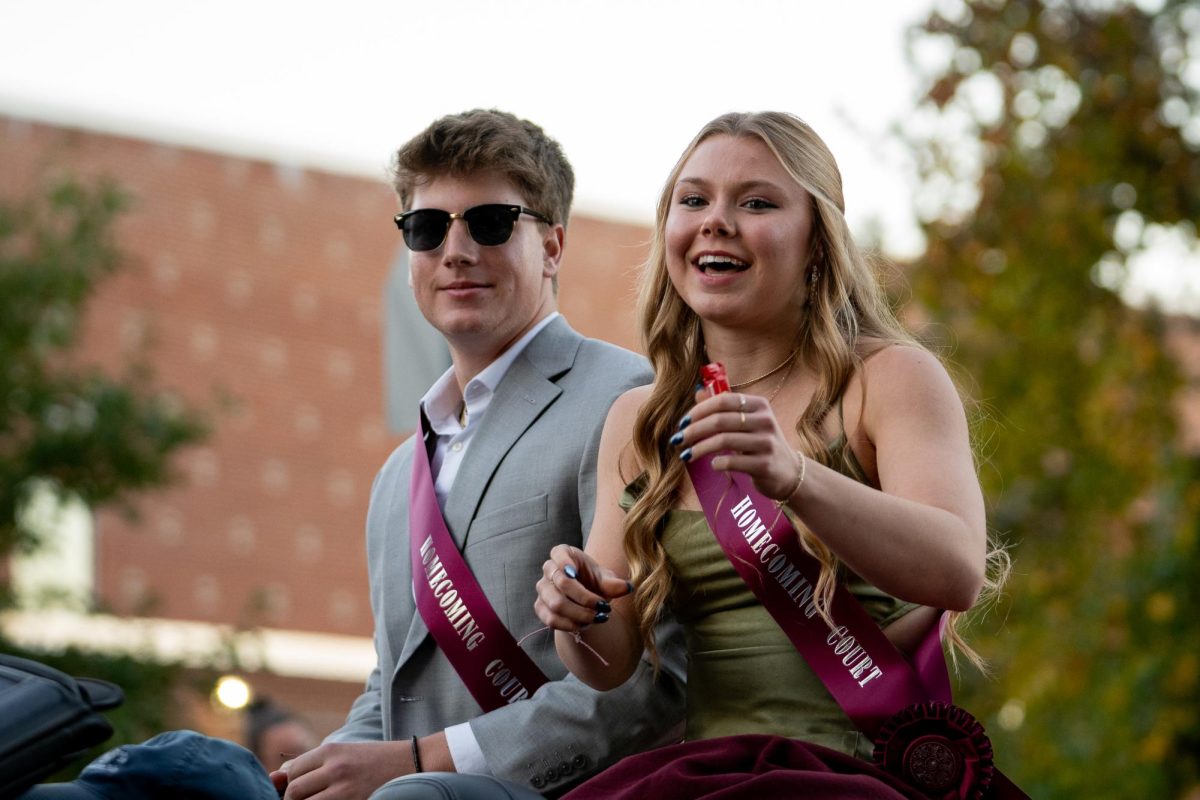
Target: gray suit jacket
<point>527,484</point>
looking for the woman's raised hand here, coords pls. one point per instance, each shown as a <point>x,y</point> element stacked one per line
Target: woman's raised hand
<point>743,431</point>
<point>574,591</point>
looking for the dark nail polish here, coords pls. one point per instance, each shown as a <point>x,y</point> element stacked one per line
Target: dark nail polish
<point>697,388</point>
<point>683,423</point>
<point>571,572</point>
<point>600,617</point>
<point>676,440</point>
<point>604,606</point>
<point>686,455</point>
<point>629,586</point>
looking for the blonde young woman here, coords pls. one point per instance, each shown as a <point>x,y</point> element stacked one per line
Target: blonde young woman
<point>835,413</point>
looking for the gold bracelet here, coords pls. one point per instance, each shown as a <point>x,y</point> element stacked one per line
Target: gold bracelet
<point>799,480</point>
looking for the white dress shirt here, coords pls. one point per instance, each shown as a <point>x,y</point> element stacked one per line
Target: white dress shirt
<point>442,404</point>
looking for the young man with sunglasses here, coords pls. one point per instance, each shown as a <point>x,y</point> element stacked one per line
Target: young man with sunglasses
<point>506,458</point>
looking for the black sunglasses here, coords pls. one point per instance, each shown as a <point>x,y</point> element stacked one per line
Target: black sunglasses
<point>489,225</point>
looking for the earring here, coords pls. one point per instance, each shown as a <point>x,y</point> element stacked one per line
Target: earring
<point>813,275</point>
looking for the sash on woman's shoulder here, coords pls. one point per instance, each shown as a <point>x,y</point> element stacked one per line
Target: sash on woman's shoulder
<point>488,660</point>
<point>905,707</point>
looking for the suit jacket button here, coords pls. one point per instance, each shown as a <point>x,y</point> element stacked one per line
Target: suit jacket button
<point>581,761</point>
<point>550,775</point>
<point>565,768</point>
<point>537,781</point>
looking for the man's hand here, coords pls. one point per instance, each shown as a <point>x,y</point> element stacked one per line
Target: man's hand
<point>353,770</point>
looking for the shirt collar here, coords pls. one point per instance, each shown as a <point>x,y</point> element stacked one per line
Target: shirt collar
<point>442,402</point>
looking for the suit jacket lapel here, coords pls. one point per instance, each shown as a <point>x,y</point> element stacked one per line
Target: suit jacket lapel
<point>524,394</point>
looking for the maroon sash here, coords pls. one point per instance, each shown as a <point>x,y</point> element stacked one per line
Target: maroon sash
<point>495,670</point>
<point>905,707</point>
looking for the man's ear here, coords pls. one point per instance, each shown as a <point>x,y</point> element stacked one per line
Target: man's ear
<point>552,249</point>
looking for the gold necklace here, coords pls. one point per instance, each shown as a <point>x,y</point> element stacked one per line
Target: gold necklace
<point>783,380</point>
<point>784,363</point>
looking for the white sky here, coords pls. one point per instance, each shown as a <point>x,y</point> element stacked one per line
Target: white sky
<point>622,84</point>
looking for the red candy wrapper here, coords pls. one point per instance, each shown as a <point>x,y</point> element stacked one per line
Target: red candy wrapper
<point>713,376</point>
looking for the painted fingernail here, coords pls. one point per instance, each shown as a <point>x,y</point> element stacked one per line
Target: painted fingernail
<point>676,440</point>
<point>600,617</point>
<point>604,606</point>
<point>683,423</point>
<point>686,455</point>
<point>630,587</point>
<point>698,387</point>
<point>571,572</point>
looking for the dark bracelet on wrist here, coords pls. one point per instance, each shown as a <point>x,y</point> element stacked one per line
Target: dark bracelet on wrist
<point>416,756</point>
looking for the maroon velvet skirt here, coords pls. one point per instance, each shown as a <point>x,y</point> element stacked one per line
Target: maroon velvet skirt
<point>747,766</point>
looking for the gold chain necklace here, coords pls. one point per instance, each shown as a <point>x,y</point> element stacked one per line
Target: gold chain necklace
<point>784,363</point>
<point>783,380</point>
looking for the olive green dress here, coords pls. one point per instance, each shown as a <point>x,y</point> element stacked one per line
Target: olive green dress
<point>744,675</point>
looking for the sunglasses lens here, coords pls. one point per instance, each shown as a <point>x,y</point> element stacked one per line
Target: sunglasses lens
<point>425,229</point>
<point>491,224</point>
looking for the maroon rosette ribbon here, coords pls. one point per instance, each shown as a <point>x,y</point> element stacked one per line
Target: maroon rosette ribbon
<point>939,749</point>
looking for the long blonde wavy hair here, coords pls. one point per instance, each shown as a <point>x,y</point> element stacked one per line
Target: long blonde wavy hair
<point>847,305</point>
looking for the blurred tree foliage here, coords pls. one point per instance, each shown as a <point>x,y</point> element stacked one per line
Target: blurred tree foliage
<point>67,425</point>
<point>1054,139</point>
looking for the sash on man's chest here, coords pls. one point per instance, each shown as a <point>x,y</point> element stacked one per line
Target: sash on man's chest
<point>495,670</point>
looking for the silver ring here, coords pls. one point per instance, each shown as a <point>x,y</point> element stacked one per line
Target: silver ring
<point>742,404</point>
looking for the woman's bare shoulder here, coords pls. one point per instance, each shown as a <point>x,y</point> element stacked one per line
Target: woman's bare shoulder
<point>625,408</point>
<point>618,460</point>
<point>622,419</point>
<point>896,373</point>
<point>905,367</point>
<point>906,382</point>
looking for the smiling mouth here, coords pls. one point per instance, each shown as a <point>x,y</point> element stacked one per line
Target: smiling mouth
<point>720,264</point>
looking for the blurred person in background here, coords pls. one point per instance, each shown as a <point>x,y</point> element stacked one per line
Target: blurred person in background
<point>274,734</point>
